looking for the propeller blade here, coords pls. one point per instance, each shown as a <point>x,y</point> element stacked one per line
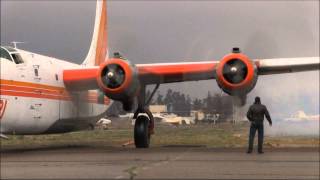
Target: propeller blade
<point>114,76</point>
<point>235,71</point>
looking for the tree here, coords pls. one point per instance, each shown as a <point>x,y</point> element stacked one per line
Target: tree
<point>168,98</point>
<point>217,103</point>
<point>159,99</point>
<point>188,105</point>
<point>197,104</point>
<point>208,103</point>
<point>168,101</point>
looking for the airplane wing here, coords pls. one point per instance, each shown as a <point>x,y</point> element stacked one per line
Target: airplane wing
<point>195,71</point>
<point>86,78</point>
<point>176,72</point>
<point>287,65</point>
<point>235,74</point>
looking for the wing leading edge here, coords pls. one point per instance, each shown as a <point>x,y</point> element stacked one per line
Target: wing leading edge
<point>287,65</point>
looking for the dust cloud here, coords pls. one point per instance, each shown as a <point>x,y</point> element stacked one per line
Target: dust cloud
<point>287,128</point>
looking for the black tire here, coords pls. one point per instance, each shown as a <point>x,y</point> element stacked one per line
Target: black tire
<point>141,132</point>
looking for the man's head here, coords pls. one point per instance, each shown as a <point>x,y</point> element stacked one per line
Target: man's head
<point>257,100</point>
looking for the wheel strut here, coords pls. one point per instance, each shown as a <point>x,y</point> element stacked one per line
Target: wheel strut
<point>144,125</point>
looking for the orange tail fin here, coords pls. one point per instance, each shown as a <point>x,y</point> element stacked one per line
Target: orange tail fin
<point>98,51</point>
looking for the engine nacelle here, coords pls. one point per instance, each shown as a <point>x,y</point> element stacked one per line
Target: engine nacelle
<point>236,74</point>
<point>118,79</point>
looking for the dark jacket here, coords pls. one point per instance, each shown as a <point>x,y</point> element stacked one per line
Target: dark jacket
<point>256,113</point>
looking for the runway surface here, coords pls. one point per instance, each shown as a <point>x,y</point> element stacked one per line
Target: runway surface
<point>88,162</point>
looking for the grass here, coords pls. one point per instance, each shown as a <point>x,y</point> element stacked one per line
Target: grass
<point>221,135</point>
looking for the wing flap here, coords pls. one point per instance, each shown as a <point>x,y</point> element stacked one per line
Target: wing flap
<point>287,65</point>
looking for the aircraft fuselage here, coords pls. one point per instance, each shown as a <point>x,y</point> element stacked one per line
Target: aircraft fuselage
<point>34,99</point>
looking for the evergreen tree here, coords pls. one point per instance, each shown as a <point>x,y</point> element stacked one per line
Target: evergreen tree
<point>188,105</point>
<point>159,99</point>
<point>197,104</point>
<point>168,101</point>
<point>208,102</point>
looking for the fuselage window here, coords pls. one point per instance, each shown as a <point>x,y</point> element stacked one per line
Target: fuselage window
<point>4,54</point>
<point>17,58</point>
<point>36,72</point>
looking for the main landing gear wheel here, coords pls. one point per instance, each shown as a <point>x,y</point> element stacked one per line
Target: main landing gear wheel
<point>144,125</point>
<point>141,132</point>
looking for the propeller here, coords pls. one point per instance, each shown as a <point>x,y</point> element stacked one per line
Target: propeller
<point>235,71</point>
<point>113,76</point>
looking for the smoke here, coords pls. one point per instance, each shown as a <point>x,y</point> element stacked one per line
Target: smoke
<point>289,93</point>
<point>286,95</point>
<point>289,128</point>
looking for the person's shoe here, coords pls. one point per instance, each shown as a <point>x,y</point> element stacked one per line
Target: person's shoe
<point>260,152</point>
<point>249,152</point>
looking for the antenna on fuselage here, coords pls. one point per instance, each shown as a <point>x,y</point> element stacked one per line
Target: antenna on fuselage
<point>15,43</point>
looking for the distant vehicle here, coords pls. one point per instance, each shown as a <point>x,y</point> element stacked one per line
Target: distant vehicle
<point>174,119</point>
<point>301,116</point>
<point>168,118</point>
<point>104,123</point>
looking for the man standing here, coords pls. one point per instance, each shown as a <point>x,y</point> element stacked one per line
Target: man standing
<point>256,114</point>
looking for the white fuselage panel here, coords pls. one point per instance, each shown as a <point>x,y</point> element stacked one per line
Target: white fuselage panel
<point>34,99</point>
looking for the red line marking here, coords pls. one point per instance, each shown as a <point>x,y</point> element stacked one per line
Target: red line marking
<point>26,89</point>
<point>3,105</point>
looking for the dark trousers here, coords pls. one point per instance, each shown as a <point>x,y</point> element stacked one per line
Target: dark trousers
<point>253,129</point>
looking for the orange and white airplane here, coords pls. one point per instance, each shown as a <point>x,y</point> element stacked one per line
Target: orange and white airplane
<point>41,94</point>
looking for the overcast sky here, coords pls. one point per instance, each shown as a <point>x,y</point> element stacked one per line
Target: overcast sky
<point>167,31</point>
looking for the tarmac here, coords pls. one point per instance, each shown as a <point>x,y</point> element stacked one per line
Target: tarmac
<point>170,162</point>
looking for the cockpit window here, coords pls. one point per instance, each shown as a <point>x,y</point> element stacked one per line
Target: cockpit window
<point>11,54</point>
<point>4,54</point>
<point>17,58</point>
<point>10,49</point>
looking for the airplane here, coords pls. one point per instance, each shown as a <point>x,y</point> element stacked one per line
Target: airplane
<point>43,95</point>
<point>301,116</point>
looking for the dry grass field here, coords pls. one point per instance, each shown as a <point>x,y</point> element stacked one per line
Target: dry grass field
<point>224,135</point>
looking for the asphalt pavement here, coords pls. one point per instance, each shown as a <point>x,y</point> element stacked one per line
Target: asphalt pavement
<point>175,162</point>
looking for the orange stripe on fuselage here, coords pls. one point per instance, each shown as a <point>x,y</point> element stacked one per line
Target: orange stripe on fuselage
<point>33,95</point>
<point>28,84</point>
<point>33,90</point>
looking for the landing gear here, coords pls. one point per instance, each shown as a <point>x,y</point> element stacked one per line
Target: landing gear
<point>144,124</point>
<point>141,132</point>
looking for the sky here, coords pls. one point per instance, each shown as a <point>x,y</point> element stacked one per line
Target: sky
<point>173,31</point>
